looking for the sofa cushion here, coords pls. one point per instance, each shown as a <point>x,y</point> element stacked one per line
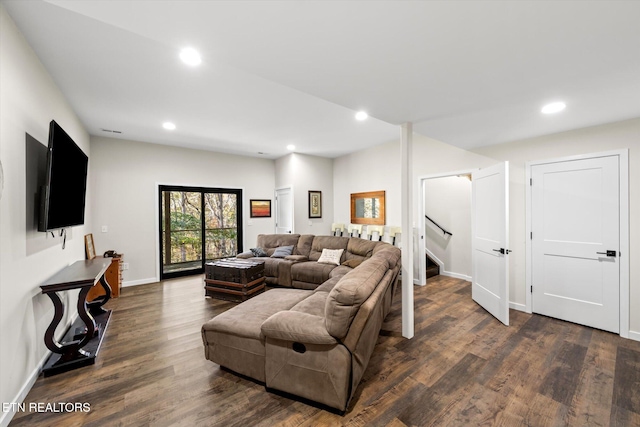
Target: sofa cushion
<point>269,242</point>
<point>390,252</point>
<point>327,242</point>
<point>258,252</point>
<point>304,245</point>
<point>282,251</point>
<point>340,271</point>
<point>359,249</point>
<point>313,304</point>
<point>350,292</point>
<point>299,258</point>
<point>353,262</point>
<point>297,326</point>
<point>245,255</point>
<point>246,319</point>
<point>328,285</point>
<point>311,272</point>
<point>330,256</point>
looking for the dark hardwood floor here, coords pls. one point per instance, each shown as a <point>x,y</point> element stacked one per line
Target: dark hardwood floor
<point>462,368</point>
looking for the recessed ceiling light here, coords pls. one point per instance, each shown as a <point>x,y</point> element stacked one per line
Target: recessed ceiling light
<point>168,126</point>
<point>190,56</point>
<point>361,115</point>
<point>291,147</point>
<point>554,107</point>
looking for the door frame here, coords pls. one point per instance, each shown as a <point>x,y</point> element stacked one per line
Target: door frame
<point>277,206</point>
<point>158,225</point>
<point>421,280</point>
<point>623,163</point>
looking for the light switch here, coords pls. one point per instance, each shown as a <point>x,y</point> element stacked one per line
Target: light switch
<point>105,228</point>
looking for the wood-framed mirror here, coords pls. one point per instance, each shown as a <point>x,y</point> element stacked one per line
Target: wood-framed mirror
<point>368,208</point>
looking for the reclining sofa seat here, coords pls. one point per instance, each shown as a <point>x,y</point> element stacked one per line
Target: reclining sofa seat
<point>312,343</point>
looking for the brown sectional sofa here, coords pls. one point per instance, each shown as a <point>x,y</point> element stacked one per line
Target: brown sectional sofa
<point>313,337</point>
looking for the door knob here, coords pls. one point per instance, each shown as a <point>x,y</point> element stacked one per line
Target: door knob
<point>503,251</point>
<point>608,253</point>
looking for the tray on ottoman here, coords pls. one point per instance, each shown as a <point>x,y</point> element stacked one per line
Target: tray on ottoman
<point>234,279</point>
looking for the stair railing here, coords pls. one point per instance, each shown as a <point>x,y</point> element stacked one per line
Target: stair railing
<point>437,225</point>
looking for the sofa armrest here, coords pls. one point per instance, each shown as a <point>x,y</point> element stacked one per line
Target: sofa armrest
<point>297,326</point>
<point>298,258</point>
<point>245,255</point>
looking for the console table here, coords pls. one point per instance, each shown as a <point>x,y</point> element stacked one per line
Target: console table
<point>81,343</point>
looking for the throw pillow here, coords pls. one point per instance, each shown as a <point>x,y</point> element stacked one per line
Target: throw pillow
<point>353,263</point>
<point>282,251</point>
<point>259,252</point>
<point>331,256</point>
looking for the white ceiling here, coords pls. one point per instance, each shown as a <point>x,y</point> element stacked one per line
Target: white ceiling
<point>295,72</point>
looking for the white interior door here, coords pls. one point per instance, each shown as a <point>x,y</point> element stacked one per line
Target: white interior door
<point>490,237</point>
<point>284,211</point>
<point>575,243</point>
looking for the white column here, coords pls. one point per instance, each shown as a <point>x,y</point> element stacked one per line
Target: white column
<point>406,206</point>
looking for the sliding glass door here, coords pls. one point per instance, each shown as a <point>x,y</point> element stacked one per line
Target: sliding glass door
<point>197,225</point>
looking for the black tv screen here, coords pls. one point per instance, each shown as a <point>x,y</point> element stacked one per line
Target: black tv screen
<point>63,195</point>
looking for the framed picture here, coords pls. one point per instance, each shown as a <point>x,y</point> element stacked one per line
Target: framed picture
<point>259,208</point>
<point>315,204</point>
<point>89,249</point>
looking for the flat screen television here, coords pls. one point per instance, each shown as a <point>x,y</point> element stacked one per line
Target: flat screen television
<point>62,198</point>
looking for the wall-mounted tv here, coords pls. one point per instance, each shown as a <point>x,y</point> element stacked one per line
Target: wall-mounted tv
<point>62,198</point>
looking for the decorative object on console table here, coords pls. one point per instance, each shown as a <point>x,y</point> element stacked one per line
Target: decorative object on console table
<point>89,248</point>
<point>113,276</point>
<point>260,208</point>
<point>234,279</point>
<point>81,343</point>
<point>315,204</point>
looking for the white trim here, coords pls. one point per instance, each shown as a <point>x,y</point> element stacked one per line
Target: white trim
<point>625,264</point>
<point>516,306</point>
<point>422,231</point>
<point>528,272</point>
<point>456,275</point>
<point>407,221</point>
<point>633,335</point>
<point>138,282</point>
<point>6,417</point>
<point>435,258</point>
<point>623,156</point>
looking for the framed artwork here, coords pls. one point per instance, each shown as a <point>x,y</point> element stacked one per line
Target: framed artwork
<point>315,204</point>
<point>259,208</point>
<point>89,249</point>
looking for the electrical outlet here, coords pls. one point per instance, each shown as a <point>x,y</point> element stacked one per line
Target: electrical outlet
<point>125,266</point>
<point>105,228</point>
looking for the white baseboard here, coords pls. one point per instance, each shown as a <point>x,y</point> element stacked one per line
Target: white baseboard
<point>456,275</point>
<point>139,282</point>
<point>633,335</point>
<point>516,306</point>
<point>6,417</point>
<point>435,258</point>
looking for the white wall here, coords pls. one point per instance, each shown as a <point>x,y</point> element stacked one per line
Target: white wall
<point>448,203</point>
<point>30,100</point>
<point>124,182</point>
<point>374,169</point>
<point>306,173</point>
<point>596,139</point>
